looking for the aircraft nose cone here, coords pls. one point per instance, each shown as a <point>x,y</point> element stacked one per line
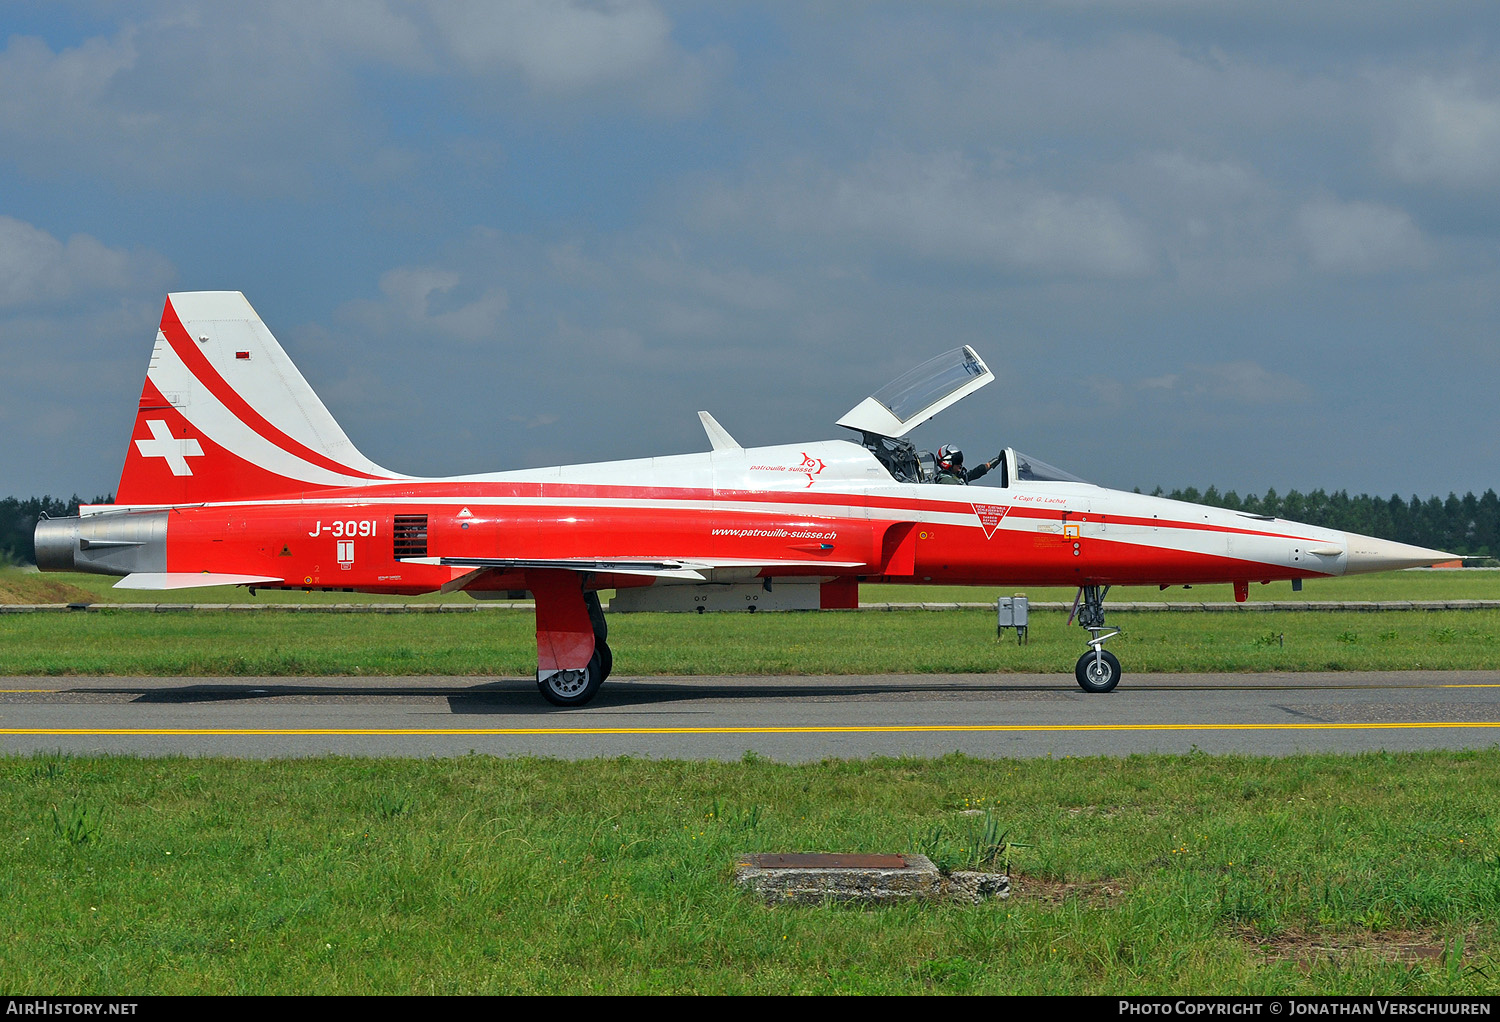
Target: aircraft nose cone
<point>1366,553</point>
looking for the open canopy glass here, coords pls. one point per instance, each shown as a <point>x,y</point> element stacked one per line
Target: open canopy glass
<point>916,396</point>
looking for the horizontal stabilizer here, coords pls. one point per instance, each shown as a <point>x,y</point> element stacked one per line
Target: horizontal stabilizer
<point>190,580</point>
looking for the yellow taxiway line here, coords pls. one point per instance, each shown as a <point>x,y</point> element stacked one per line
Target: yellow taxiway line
<point>790,730</point>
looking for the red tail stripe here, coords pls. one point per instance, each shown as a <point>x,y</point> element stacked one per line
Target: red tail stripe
<point>200,367</point>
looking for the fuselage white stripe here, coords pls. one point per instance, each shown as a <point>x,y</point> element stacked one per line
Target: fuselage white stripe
<point>1270,551</point>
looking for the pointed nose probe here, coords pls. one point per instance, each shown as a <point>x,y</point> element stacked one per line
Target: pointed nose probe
<point>1366,553</point>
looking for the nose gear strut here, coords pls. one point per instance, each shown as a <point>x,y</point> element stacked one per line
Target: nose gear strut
<point>1097,670</point>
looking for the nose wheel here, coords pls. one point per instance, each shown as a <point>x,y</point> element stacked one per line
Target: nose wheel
<point>1097,670</point>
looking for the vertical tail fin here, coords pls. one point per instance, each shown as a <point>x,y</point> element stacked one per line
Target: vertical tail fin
<point>225,415</point>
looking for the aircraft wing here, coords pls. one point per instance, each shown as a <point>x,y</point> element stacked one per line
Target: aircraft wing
<point>691,570</point>
<point>661,568</point>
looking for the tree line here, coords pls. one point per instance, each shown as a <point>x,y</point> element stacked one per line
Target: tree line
<point>1466,525</point>
<point>18,519</point>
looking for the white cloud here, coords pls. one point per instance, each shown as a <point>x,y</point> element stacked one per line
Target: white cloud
<point>1213,180</point>
<point>562,46</point>
<point>258,98</point>
<point>36,268</point>
<point>427,300</point>
<point>1445,133</point>
<point>175,101</point>
<point>1360,237</point>
<point>943,206</point>
<point>1243,383</point>
<point>36,83</point>
<point>984,77</point>
<point>1238,383</point>
<point>735,288</point>
<point>67,396</point>
<point>609,51</point>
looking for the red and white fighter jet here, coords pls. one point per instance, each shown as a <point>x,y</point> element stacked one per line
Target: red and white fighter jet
<point>237,474</point>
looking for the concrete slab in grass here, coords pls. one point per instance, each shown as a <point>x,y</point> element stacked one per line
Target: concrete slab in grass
<point>813,878</point>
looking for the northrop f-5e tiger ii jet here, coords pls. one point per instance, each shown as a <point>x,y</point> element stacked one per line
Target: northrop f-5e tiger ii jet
<point>237,474</point>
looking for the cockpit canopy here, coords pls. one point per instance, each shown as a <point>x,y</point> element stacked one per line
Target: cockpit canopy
<point>886,416</point>
<point>1027,469</point>
<point>907,464</point>
<point>916,396</point>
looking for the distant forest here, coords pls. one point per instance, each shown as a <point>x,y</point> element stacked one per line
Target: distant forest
<point>1466,525</point>
<point>18,521</point>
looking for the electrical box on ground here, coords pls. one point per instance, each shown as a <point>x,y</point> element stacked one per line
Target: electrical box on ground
<point>1012,612</point>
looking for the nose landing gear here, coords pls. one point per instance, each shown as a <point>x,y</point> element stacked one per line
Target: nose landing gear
<point>1097,670</point>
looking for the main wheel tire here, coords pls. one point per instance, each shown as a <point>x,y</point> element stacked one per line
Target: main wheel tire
<point>1097,672</point>
<point>606,659</point>
<point>573,688</point>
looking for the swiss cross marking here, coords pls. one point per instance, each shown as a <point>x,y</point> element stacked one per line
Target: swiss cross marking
<point>165,445</point>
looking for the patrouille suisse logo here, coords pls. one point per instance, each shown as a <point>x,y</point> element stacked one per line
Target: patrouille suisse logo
<point>989,517</point>
<point>812,466</point>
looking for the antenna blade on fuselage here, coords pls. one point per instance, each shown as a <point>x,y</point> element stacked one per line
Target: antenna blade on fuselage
<point>718,436</point>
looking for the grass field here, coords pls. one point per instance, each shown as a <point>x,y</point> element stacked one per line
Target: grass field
<point>1311,875</point>
<point>1469,584</point>
<point>503,643</point>
<point>1307,875</point>
<point>17,586</point>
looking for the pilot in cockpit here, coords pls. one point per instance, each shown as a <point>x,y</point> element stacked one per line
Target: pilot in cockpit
<point>950,466</point>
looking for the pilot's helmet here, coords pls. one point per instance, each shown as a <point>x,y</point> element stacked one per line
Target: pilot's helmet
<point>949,457</point>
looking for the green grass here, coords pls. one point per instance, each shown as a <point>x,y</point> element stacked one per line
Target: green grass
<point>1194,874</point>
<point>28,586</point>
<point>1476,584</point>
<point>503,643</point>
<point>868,642</point>
<point>17,586</point>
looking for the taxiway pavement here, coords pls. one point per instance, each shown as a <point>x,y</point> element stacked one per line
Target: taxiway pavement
<point>790,719</point>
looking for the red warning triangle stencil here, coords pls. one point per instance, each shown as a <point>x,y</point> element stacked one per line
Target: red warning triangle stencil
<point>989,516</point>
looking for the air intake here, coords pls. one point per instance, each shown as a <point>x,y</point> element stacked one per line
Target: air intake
<point>411,536</point>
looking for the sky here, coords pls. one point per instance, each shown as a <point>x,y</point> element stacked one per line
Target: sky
<point>1199,242</point>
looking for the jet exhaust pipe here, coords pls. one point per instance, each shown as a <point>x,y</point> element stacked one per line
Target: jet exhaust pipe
<point>103,544</point>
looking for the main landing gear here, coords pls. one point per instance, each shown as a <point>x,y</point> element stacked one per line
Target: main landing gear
<point>573,656</point>
<point>601,633</point>
<point>572,687</point>
<point>1097,670</point>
